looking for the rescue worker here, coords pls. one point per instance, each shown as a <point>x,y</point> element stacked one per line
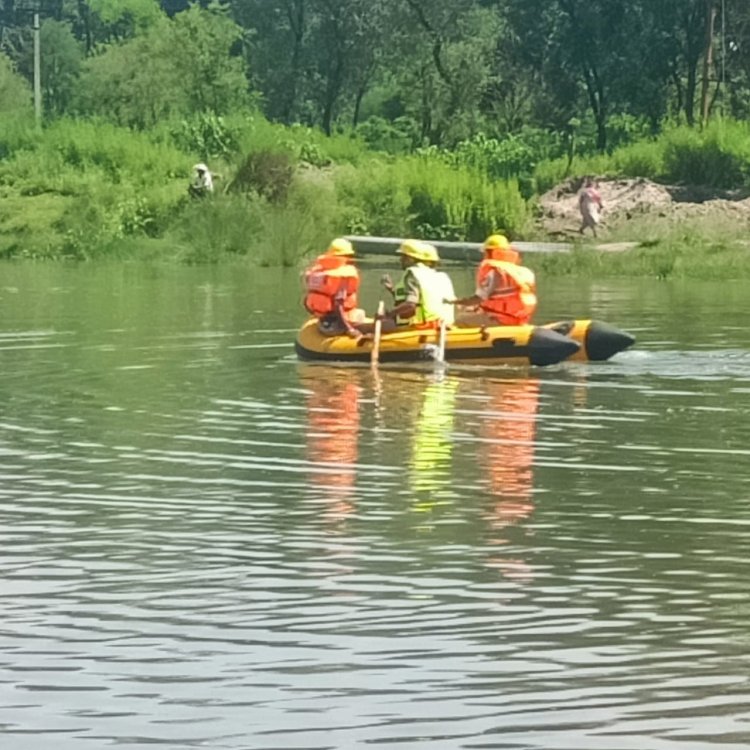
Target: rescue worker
<point>505,291</point>
<point>444,282</point>
<point>331,286</point>
<point>203,182</point>
<point>418,296</point>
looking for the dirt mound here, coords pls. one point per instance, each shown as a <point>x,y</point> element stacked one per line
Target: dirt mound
<point>628,201</point>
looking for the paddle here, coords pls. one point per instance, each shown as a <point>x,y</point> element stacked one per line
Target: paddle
<point>375,353</point>
<point>440,353</point>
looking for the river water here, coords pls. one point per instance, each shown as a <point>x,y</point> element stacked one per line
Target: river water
<point>205,543</point>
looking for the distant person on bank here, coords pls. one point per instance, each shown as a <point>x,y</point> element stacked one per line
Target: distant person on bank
<point>505,290</point>
<point>590,206</point>
<point>202,183</point>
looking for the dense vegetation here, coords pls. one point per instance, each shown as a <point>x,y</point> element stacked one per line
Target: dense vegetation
<point>442,118</point>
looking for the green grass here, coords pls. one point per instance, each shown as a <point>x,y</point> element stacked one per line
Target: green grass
<point>696,249</point>
<point>88,189</point>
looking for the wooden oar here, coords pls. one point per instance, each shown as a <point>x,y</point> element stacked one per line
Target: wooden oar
<point>375,353</point>
<point>440,354</point>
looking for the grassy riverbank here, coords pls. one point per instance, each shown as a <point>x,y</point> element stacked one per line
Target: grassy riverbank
<point>85,190</point>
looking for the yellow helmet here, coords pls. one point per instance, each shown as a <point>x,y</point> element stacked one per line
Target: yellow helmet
<point>430,253</point>
<point>497,247</point>
<point>496,242</point>
<point>413,249</point>
<point>340,246</point>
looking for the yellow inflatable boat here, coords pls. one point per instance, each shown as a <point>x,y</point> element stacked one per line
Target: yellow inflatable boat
<point>583,340</point>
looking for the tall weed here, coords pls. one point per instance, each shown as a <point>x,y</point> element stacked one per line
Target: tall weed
<point>425,196</point>
<point>718,157</point>
<point>374,200</point>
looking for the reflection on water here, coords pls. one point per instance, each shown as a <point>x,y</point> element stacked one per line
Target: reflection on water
<point>205,543</point>
<point>432,442</point>
<point>507,453</point>
<point>332,435</point>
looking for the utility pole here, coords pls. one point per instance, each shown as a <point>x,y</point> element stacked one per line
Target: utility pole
<point>37,71</point>
<point>708,58</point>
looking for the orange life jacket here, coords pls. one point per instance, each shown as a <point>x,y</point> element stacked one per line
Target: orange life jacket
<point>330,279</point>
<point>510,308</point>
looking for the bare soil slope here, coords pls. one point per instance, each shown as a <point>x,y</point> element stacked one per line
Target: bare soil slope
<point>638,202</point>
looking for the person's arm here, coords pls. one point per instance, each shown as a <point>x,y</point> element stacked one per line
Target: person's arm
<point>405,309</point>
<point>488,288</point>
<point>472,301</point>
<point>350,329</point>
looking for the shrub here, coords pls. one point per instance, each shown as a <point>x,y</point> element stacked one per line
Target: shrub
<point>266,173</point>
<point>461,203</point>
<point>207,134</point>
<point>641,159</point>
<point>15,94</point>
<point>374,199</point>
<point>399,136</point>
<point>424,196</point>
<point>305,223</point>
<point>719,156</point>
<point>206,230</point>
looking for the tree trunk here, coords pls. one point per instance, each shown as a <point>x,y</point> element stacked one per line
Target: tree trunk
<point>85,16</point>
<point>690,87</point>
<point>296,15</point>
<point>708,58</point>
<point>596,100</point>
<point>333,89</point>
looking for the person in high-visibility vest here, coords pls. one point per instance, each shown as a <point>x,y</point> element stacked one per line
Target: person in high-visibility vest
<point>443,282</point>
<point>505,290</point>
<point>418,296</point>
<point>331,285</point>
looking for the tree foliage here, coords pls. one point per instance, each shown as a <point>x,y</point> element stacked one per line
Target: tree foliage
<point>190,69</point>
<point>426,71</point>
<point>15,94</point>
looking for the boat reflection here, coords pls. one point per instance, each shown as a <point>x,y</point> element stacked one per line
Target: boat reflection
<point>332,438</point>
<point>422,434</point>
<point>432,444</point>
<point>507,433</point>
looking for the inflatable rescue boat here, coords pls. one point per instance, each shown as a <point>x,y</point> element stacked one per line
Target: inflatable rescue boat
<point>582,340</point>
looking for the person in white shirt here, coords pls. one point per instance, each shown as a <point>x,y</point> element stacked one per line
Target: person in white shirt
<point>203,182</point>
<point>590,206</point>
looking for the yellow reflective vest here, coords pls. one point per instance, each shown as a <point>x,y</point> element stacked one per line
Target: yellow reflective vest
<point>430,307</point>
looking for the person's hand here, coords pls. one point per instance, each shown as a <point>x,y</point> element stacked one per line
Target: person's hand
<point>382,316</point>
<point>387,282</point>
<point>353,333</point>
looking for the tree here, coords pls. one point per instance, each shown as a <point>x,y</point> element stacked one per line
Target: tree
<point>61,57</point>
<point>123,18</point>
<point>175,67</point>
<point>446,60</point>
<point>15,93</point>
